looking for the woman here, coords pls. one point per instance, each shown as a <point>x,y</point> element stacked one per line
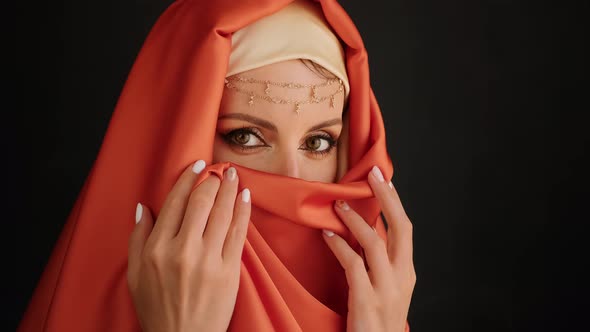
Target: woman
<point>248,237</point>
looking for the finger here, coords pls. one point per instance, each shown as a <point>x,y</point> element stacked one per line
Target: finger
<point>236,236</point>
<point>221,213</point>
<point>399,226</point>
<point>198,209</point>
<point>170,218</point>
<point>375,251</point>
<point>359,284</point>
<point>139,235</point>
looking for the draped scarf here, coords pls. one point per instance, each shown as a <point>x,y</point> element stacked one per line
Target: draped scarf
<point>166,119</point>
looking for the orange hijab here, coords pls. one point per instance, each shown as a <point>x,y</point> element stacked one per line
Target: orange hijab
<point>166,119</point>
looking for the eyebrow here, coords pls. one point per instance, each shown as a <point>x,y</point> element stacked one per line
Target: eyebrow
<point>252,119</point>
<point>328,123</point>
<point>270,126</point>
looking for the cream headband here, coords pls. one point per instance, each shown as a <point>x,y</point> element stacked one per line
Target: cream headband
<point>297,31</point>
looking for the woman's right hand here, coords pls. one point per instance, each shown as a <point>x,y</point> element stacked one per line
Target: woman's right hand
<point>183,272</point>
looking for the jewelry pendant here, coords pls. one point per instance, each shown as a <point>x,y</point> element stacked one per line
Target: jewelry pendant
<point>332,101</point>
<point>297,108</point>
<point>251,101</point>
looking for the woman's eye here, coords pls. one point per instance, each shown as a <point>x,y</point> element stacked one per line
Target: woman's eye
<point>318,143</point>
<point>243,137</point>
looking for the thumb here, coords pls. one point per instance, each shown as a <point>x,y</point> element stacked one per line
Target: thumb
<point>139,235</point>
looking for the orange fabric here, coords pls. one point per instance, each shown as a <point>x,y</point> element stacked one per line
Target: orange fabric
<point>164,120</point>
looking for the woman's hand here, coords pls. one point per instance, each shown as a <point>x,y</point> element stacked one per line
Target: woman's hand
<point>379,298</point>
<point>183,272</point>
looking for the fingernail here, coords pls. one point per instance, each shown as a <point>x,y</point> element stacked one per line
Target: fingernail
<point>138,213</point>
<point>246,195</point>
<point>328,233</point>
<point>342,204</point>
<point>390,185</point>
<point>199,166</point>
<point>374,229</point>
<point>231,173</point>
<point>377,172</point>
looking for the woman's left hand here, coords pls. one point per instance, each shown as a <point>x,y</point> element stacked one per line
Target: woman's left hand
<point>378,299</point>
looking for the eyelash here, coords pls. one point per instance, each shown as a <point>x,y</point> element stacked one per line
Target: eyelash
<point>227,137</point>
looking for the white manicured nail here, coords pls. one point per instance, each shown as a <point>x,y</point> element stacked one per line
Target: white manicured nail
<point>390,185</point>
<point>377,172</point>
<point>231,173</point>
<point>199,166</point>
<point>138,212</point>
<point>328,233</point>
<point>246,195</point>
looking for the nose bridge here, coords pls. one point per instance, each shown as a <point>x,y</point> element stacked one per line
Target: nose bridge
<point>289,163</point>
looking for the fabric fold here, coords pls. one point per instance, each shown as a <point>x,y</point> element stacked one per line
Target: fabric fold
<point>164,120</point>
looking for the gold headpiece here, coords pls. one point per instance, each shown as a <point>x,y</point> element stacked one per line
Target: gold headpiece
<point>233,82</point>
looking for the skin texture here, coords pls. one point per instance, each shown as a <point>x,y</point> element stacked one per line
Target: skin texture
<point>184,275</point>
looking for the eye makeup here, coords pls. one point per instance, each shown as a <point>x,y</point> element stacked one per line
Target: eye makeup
<point>238,138</point>
<point>245,138</point>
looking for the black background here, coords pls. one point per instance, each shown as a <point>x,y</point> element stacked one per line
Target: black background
<point>483,101</point>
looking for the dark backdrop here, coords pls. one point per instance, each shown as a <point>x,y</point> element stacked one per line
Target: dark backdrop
<point>483,103</point>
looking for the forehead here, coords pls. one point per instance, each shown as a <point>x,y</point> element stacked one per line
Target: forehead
<point>283,115</point>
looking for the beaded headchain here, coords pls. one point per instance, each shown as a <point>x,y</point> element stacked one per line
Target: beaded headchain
<point>234,82</point>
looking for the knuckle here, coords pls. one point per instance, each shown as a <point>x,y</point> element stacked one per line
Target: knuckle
<point>176,202</point>
<point>220,213</point>
<point>216,180</point>
<point>356,264</point>
<point>235,232</point>
<point>212,183</point>
<point>407,226</point>
<point>180,260</point>
<point>153,256</point>
<point>238,228</point>
<point>240,212</point>
<point>413,277</point>
<point>410,279</point>
<point>377,245</point>
<point>200,199</point>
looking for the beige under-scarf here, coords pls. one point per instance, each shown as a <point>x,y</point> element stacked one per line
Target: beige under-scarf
<point>297,31</point>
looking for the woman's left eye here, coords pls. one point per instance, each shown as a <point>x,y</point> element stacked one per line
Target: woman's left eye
<point>319,144</point>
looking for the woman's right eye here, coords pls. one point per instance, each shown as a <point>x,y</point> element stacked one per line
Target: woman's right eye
<point>244,138</point>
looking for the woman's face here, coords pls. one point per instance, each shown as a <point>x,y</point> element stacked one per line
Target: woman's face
<point>273,137</point>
